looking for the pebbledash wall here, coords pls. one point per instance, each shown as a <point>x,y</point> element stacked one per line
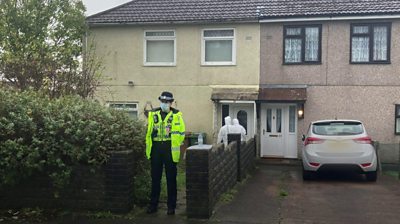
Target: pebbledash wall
<point>335,87</point>
<point>212,170</point>
<point>109,188</point>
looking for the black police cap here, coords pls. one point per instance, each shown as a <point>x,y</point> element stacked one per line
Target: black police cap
<point>166,96</point>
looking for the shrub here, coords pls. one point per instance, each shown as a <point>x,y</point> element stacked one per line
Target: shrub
<point>51,136</point>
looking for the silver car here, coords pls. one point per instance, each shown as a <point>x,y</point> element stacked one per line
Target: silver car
<point>338,144</point>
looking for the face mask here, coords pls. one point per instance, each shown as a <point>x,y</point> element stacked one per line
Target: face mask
<point>165,107</point>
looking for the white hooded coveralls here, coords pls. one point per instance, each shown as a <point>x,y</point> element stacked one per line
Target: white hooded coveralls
<point>224,131</point>
<point>238,129</point>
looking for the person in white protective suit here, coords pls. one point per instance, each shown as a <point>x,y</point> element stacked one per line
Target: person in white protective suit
<point>224,131</point>
<point>238,129</point>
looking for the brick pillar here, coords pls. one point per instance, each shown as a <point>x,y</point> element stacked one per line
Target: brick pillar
<point>119,181</point>
<point>237,138</point>
<point>198,189</point>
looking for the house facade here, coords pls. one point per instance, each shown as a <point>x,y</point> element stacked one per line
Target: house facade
<point>209,60</point>
<point>275,65</point>
<point>329,62</point>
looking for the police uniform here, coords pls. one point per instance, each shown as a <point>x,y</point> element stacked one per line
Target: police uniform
<point>165,134</point>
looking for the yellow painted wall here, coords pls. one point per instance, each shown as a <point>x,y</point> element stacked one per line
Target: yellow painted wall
<point>121,49</point>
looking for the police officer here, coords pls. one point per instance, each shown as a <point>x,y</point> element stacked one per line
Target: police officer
<point>165,134</point>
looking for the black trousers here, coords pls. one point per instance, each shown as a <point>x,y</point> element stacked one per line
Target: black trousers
<point>161,156</point>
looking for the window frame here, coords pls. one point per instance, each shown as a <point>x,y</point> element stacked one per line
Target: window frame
<point>302,36</point>
<point>203,47</point>
<point>125,109</point>
<point>167,38</point>
<point>371,42</point>
<point>396,116</point>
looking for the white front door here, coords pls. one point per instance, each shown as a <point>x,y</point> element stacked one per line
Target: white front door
<point>245,114</point>
<point>278,130</point>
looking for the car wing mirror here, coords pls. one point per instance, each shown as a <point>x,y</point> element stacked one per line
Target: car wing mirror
<point>303,137</point>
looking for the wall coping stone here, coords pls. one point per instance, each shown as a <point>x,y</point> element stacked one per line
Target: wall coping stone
<point>200,147</point>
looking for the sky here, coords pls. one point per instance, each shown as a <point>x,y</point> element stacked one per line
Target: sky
<point>95,6</point>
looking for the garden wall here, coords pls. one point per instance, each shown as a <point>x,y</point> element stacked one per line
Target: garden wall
<point>212,170</point>
<point>110,188</point>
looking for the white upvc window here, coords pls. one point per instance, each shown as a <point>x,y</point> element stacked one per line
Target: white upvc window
<point>218,47</point>
<point>159,48</point>
<point>130,108</point>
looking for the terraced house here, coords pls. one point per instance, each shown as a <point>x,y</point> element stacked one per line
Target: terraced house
<point>276,65</point>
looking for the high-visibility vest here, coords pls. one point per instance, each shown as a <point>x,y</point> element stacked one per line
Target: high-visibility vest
<point>172,128</point>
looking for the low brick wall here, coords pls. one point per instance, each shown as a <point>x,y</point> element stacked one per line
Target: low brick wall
<point>212,171</point>
<point>389,153</point>
<point>247,157</point>
<point>109,188</point>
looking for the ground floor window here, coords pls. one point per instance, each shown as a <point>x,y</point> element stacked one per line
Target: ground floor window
<point>397,117</point>
<point>130,107</point>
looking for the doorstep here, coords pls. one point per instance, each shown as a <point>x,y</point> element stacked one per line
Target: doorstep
<point>279,161</point>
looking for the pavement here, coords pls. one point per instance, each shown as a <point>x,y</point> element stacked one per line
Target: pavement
<point>277,194</point>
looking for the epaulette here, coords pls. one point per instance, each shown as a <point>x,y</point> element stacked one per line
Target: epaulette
<point>156,109</point>
<point>175,111</point>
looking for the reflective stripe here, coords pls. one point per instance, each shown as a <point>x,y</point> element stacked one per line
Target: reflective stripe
<point>163,127</point>
<point>178,133</point>
<point>161,131</point>
<point>175,148</point>
<point>158,139</point>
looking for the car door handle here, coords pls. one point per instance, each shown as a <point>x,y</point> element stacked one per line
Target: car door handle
<point>273,135</point>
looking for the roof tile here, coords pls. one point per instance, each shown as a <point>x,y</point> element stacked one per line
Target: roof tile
<point>191,11</point>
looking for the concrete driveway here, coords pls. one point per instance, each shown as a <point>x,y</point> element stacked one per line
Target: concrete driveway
<point>277,194</point>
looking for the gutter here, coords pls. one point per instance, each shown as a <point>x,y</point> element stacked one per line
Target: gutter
<point>203,22</point>
<point>329,18</point>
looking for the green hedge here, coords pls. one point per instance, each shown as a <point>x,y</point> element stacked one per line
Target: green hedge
<point>39,134</point>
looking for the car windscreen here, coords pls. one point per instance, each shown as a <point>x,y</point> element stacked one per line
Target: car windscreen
<point>338,128</point>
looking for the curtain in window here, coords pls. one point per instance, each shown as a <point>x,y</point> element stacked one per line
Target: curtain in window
<point>360,29</point>
<point>311,42</point>
<point>292,119</point>
<point>269,120</point>
<point>380,43</point>
<point>279,120</point>
<point>292,50</point>
<point>360,49</point>
<point>160,51</point>
<point>218,50</point>
<point>293,31</point>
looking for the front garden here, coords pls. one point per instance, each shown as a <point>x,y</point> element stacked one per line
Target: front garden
<point>65,145</point>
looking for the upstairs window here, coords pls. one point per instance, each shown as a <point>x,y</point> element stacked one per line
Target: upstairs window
<point>159,48</point>
<point>130,108</point>
<point>218,47</point>
<point>370,43</point>
<point>302,44</point>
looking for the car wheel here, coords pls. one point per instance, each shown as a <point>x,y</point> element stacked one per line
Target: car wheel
<point>371,176</point>
<point>308,175</point>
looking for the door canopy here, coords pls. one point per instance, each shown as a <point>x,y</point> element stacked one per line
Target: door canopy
<point>282,93</point>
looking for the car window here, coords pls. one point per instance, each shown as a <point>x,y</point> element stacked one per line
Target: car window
<point>338,128</point>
